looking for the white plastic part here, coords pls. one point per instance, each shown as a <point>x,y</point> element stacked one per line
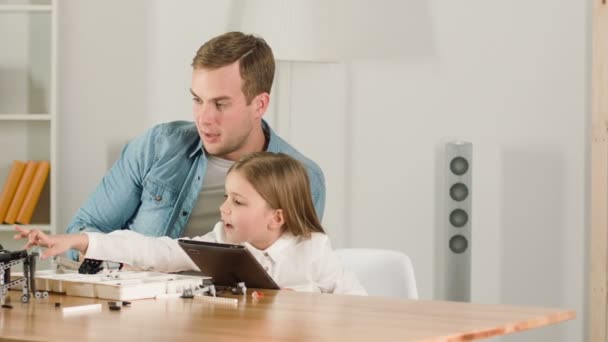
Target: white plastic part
<point>69,310</point>
<point>217,300</point>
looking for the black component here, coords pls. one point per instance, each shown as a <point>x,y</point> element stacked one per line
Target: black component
<point>90,266</point>
<point>6,256</point>
<point>6,306</point>
<point>7,273</point>
<point>29,271</point>
<point>7,276</point>
<point>115,306</point>
<point>125,303</point>
<point>57,305</point>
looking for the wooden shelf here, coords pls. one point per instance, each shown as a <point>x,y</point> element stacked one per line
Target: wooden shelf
<point>25,117</point>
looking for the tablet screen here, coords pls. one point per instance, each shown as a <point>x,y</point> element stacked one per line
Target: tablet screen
<point>227,264</point>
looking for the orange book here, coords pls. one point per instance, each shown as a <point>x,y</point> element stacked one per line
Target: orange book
<point>24,185</point>
<point>33,194</point>
<point>10,186</point>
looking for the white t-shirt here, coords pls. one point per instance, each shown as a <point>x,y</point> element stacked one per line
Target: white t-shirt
<point>206,212</point>
<point>293,262</point>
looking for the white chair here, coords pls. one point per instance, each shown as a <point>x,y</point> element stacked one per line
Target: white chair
<point>381,272</point>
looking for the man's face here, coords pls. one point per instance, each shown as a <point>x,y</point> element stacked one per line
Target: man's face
<point>224,120</point>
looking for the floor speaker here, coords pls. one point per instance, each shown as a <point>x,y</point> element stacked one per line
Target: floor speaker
<point>458,195</point>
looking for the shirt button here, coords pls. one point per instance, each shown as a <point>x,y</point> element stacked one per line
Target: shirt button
<point>158,198</point>
<point>266,254</point>
<point>184,213</point>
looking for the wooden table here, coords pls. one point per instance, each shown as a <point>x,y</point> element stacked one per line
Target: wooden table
<point>280,315</point>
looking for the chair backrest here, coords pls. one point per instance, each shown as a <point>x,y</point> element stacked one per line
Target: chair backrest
<point>381,272</point>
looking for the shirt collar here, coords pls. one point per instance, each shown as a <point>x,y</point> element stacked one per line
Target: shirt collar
<point>268,133</point>
<point>277,249</point>
<point>199,148</point>
<point>274,251</point>
<point>273,139</point>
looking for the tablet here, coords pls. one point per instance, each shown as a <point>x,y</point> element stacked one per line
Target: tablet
<point>228,264</point>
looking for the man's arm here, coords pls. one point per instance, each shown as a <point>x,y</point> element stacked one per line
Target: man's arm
<point>317,188</point>
<point>118,196</point>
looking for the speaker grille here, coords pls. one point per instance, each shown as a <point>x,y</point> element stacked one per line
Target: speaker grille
<point>458,195</point>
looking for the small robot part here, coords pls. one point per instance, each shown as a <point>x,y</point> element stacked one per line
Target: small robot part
<point>239,289</point>
<point>115,306</point>
<point>10,259</point>
<point>90,266</point>
<point>200,290</point>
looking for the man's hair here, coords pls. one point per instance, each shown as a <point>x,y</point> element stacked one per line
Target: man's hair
<point>283,183</point>
<point>256,61</point>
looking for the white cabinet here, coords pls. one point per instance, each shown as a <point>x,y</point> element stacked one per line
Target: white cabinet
<point>28,105</point>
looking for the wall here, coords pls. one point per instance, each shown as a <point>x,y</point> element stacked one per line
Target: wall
<point>103,96</point>
<point>508,76</point>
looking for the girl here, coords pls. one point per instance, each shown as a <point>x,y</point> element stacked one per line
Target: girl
<point>268,209</point>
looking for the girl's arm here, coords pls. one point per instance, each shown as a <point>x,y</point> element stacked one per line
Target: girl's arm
<point>161,254</point>
<point>56,244</point>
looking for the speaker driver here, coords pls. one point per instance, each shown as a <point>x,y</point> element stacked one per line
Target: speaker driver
<point>458,244</point>
<point>459,166</point>
<point>458,218</point>
<point>459,192</point>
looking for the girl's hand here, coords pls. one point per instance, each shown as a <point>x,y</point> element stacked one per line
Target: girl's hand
<point>56,244</point>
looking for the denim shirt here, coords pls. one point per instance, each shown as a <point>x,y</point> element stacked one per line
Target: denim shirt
<point>154,186</point>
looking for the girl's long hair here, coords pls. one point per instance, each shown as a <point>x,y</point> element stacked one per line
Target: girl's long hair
<point>283,182</point>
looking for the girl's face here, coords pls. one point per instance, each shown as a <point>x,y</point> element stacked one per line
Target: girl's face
<point>246,215</point>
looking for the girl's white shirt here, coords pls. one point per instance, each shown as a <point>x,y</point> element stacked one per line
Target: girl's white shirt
<point>293,262</point>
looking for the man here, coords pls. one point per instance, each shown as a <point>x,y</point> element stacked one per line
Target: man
<point>170,181</point>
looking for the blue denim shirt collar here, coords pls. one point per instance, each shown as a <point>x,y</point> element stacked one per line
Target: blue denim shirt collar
<point>265,126</point>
